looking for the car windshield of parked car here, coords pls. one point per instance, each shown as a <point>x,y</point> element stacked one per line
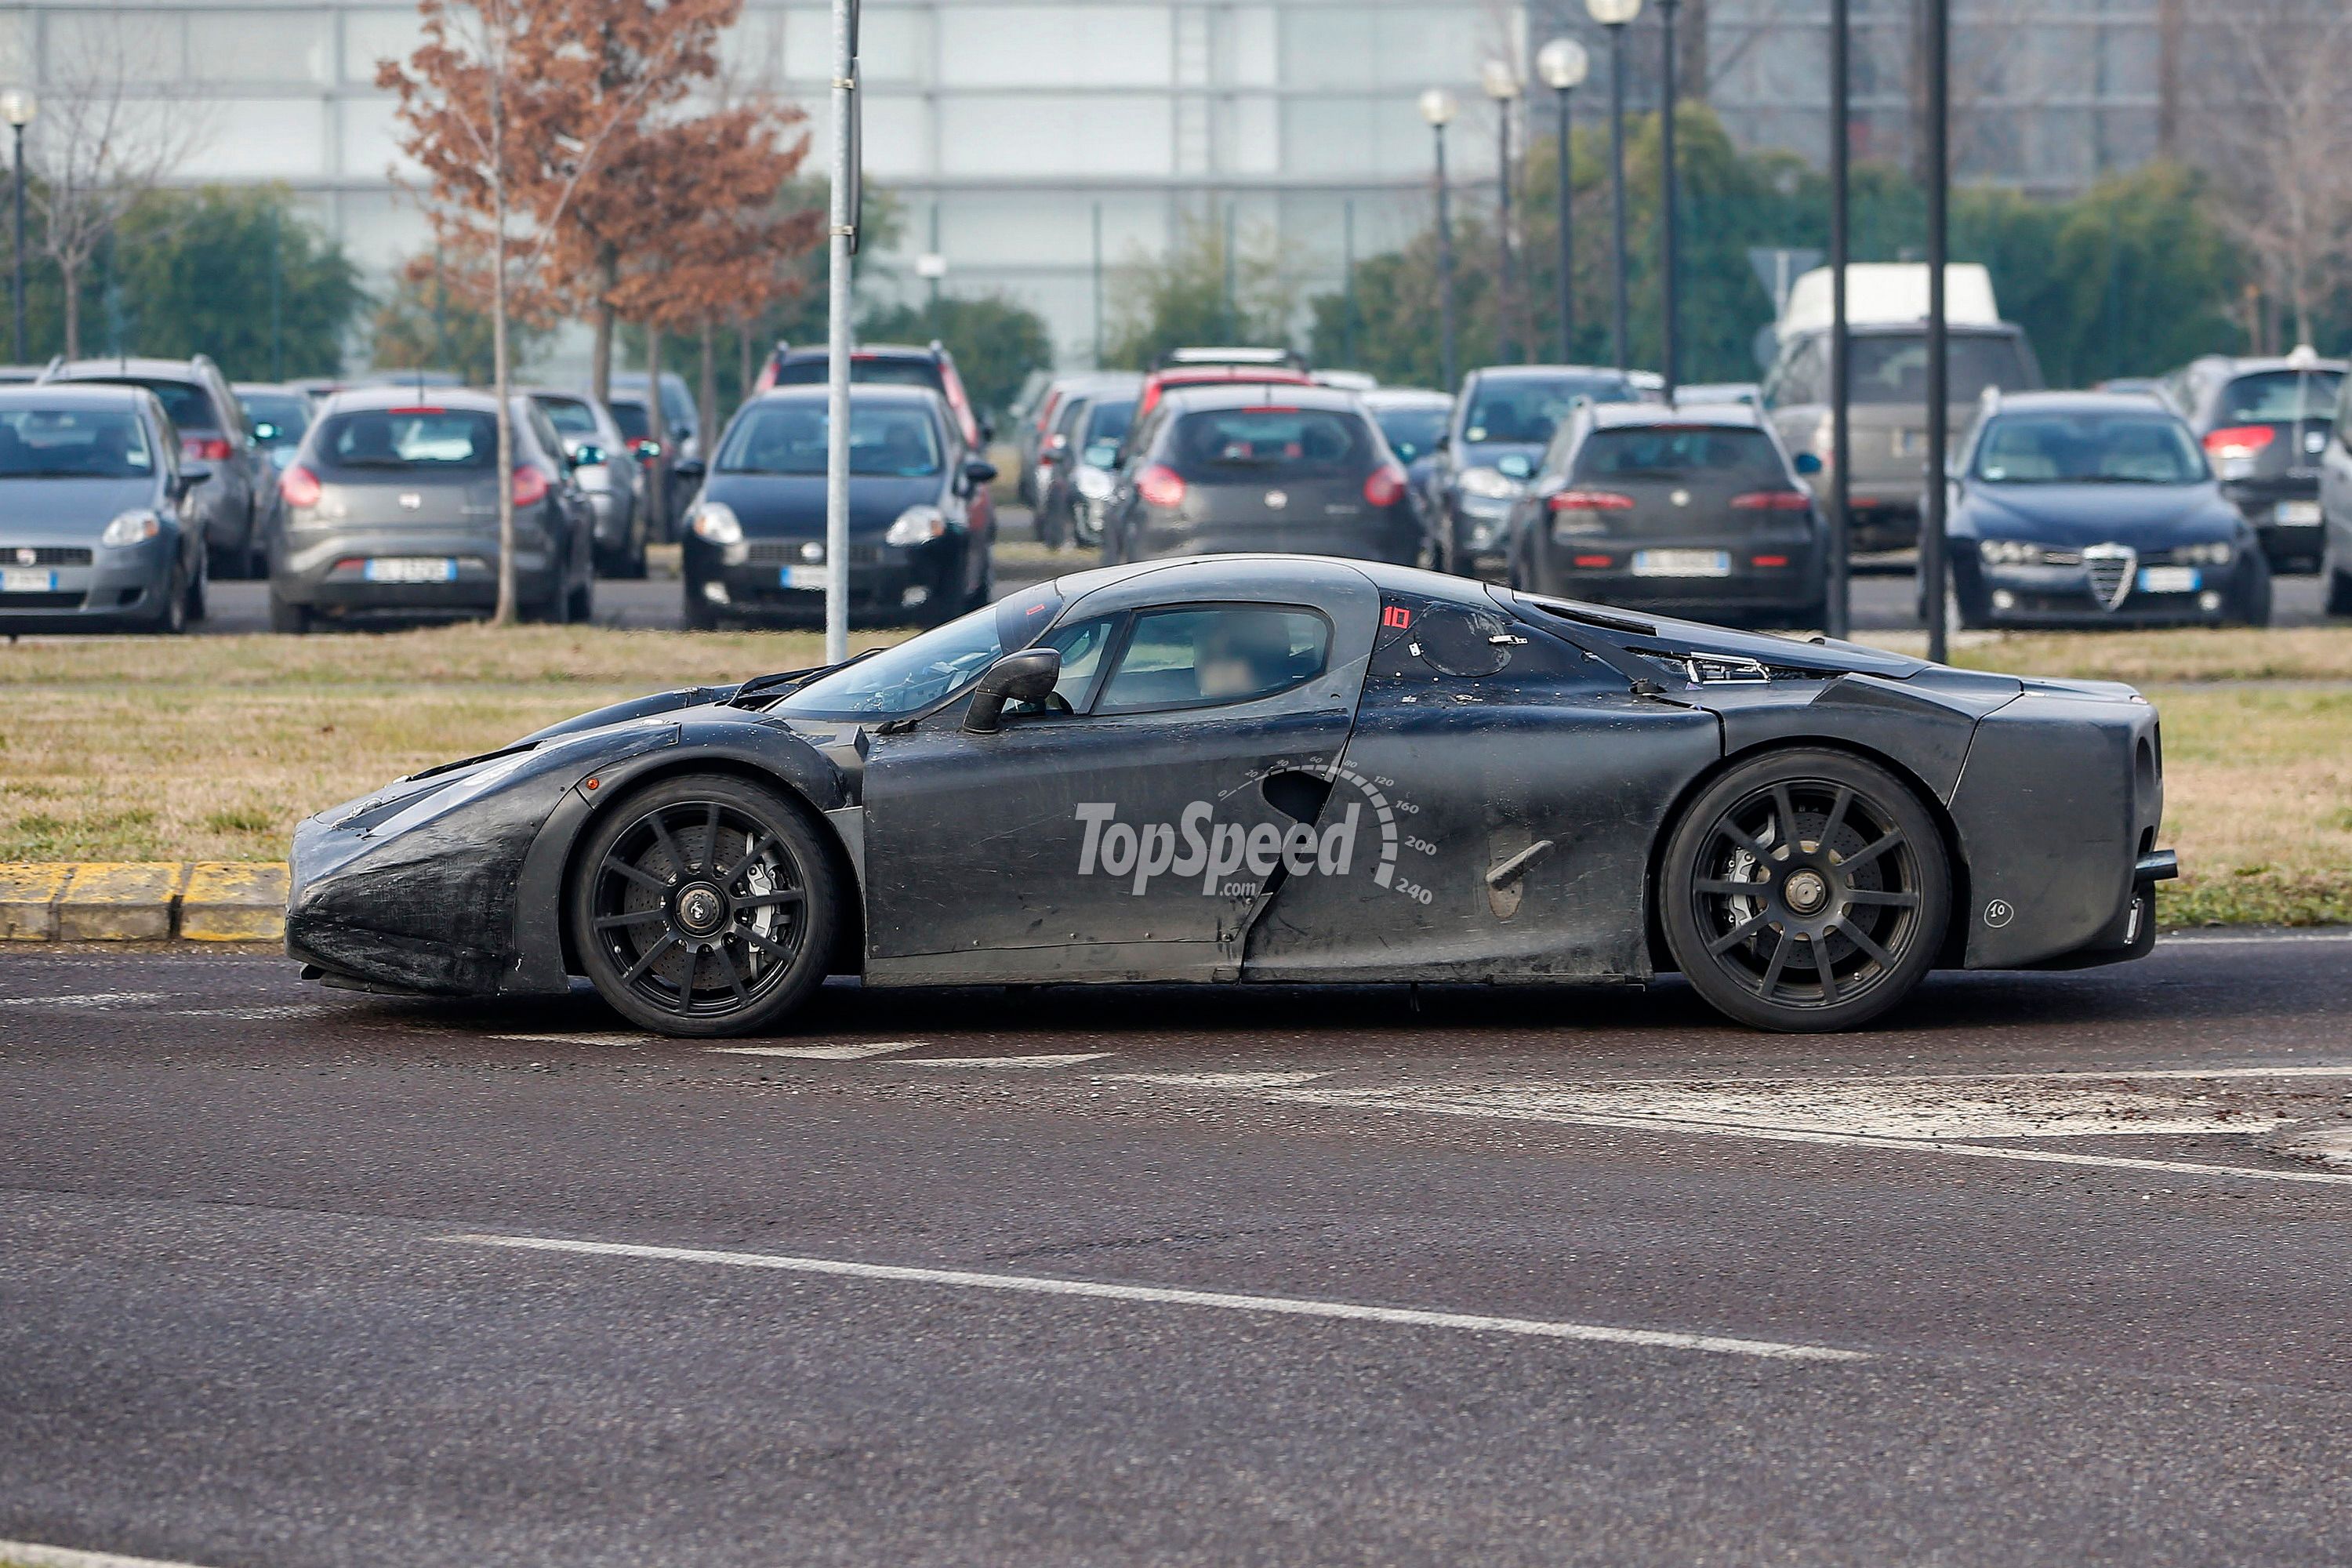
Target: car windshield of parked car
<point>1706,453</point>
<point>884,442</point>
<point>875,372</point>
<point>409,439</point>
<point>2281,396</point>
<point>569,416</point>
<point>1412,433</point>
<point>287,414</point>
<point>1270,440</point>
<point>631,418</point>
<point>928,668</point>
<point>1895,369</point>
<point>2088,449</point>
<point>74,444</point>
<point>1528,409</point>
<point>1109,421</point>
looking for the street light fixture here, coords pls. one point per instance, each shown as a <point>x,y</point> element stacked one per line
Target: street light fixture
<point>1563,65</point>
<point>1501,83</point>
<point>1614,15</point>
<point>17,107</point>
<point>1438,108</point>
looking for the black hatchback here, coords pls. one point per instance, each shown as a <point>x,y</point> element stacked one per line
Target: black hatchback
<point>1300,470</point>
<point>1695,510</point>
<point>2264,424</point>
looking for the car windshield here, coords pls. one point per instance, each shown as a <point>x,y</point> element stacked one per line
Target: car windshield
<point>1271,439</point>
<point>183,401</point>
<point>1110,421</point>
<point>1895,369</point>
<point>877,371</point>
<point>1411,432</point>
<point>631,418</point>
<point>74,444</point>
<point>1528,409</point>
<point>1701,452</point>
<point>885,441</point>
<point>2088,449</point>
<point>2281,396</point>
<point>568,415</point>
<point>287,416</point>
<point>420,437</point>
<point>928,668</point>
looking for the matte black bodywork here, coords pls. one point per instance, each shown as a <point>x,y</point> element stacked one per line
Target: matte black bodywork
<point>1488,778</point>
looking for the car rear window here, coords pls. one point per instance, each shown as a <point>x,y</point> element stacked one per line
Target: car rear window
<point>1413,432</point>
<point>1893,369</point>
<point>894,440</point>
<point>1527,409</point>
<point>287,414</point>
<point>631,418</point>
<point>1704,453</point>
<point>568,415</point>
<point>74,444</point>
<point>187,404</point>
<point>2281,396</point>
<point>1273,439</point>
<point>1110,420</point>
<point>877,371</point>
<point>418,437</point>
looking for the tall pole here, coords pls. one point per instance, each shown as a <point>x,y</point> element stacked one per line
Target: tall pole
<point>837,342</point>
<point>17,288</point>
<point>1668,197</point>
<point>1564,194</point>
<point>1099,287</point>
<point>1932,564</point>
<point>1617,177</point>
<point>277,313</point>
<point>934,306</point>
<point>1507,336</point>
<point>1347,278</point>
<point>1445,272</point>
<point>1840,598</point>
<point>1232,304</point>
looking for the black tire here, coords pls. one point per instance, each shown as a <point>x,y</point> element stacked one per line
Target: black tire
<point>2249,595</point>
<point>199,591</point>
<point>703,906</point>
<point>2340,587</point>
<point>580,605</point>
<point>173,620</point>
<point>701,614</point>
<point>1051,532</point>
<point>293,620</point>
<point>1861,881</point>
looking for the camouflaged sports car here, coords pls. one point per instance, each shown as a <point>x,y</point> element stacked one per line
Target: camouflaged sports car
<point>1268,768</point>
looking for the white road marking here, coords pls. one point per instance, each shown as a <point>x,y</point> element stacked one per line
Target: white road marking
<point>94,999</point>
<point>1220,1079</point>
<point>2177,942</point>
<point>2106,1075</point>
<point>256,1015</point>
<point>1287,1305</point>
<point>822,1053</point>
<point>1060,1061</point>
<point>28,1556</point>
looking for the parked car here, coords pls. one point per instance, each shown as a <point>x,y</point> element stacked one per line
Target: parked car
<point>2265,424</point>
<point>1296,469</point>
<point>681,424</point>
<point>1693,510</point>
<point>1502,420</point>
<point>1700,392</point>
<point>1200,367</point>
<point>236,504</point>
<point>2336,506</point>
<point>1044,443</point>
<point>278,415</point>
<point>95,532</point>
<point>1088,478</point>
<point>2096,509</point>
<point>888,364</point>
<point>1078,442</point>
<point>392,504</point>
<point>656,463</point>
<point>1031,427</point>
<point>919,537</point>
<point>605,463</point>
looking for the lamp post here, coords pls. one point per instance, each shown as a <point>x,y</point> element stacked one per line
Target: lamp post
<point>18,107</point>
<point>1502,85</point>
<point>1438,108</point>
<point>1563,65</point>
<point>1841,594</point>
<point>931,266</point>
<point>1614,15</point>
<point>1932,563</point>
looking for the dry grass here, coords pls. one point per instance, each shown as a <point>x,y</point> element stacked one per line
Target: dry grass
<point>2238,653</point>
<point>2258,799</point>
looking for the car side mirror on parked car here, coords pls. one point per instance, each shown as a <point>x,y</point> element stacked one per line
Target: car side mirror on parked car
<point>587,455</point>
<point>1809,464</point>
<point>688,468</point>
<point>646,450</point>
<point>191,475</point>
<point>978,473</point>
<point>1028,675</point>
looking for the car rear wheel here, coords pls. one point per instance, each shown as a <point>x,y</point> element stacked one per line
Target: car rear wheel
<point>173,618</point>
<point>291,619</point>
<point>703,906</point>
<point>579,604</point>
<point>2249,595</point>
<point>2339,585</point>
<point>1805,890</point>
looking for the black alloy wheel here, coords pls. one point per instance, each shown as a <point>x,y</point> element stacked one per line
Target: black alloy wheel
<point>1805,890</point>
<point>703,906</point>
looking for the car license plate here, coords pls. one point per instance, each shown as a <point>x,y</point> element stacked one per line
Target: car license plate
<point>815,577</point>
<point>2297,515</point>
<point>21,581</point>
<point>1681,563</point>
<point>2168,579</point>
<point>411,569</point>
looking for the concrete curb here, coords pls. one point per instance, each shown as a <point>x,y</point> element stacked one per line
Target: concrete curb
<point>143,900</point>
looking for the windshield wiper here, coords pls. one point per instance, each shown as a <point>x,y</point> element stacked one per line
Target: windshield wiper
<point>767,687</point>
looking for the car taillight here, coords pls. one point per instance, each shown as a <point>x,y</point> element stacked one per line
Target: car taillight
<point>1772,560</point>
<point>1386,486</point>
<point>205,448</point>
<point>1589,500</point>
<point>529,486</point>
<point>1159,485</point>
<point>2238,440</point>
<point>299,486</point>
<point>1770,500</point>
<point>1602,561</point>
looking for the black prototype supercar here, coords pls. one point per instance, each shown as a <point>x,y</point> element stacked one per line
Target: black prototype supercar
<point>1268,768</point>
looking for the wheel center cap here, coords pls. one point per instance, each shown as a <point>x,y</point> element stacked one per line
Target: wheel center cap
<point>700,910</point>
<point>1805,891</point>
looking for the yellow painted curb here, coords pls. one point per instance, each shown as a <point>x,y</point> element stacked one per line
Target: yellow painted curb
<point>234,901</point>
<point>120,901</point>
<point>28,899</point>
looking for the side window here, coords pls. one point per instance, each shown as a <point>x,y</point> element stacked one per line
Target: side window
<point>1082,647</point>
<point>1210,655</point>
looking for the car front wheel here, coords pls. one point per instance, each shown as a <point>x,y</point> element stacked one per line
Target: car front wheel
<point>1805,890</point>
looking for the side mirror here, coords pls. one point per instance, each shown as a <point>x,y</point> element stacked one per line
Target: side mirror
<point>192,475</point>
<point>264,431</point>
<point>1809,464</point>
<point>1029,676</point>
<point>688,468</point>
<point>646,450</point>
<point>586,454</point>
<point>1511,465</point>
<point>979,472</point>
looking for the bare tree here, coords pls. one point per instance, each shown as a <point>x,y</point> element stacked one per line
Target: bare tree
<point>99,145</point>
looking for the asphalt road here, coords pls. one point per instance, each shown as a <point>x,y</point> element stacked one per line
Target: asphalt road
<point>1285,1276</point>
<point>1883,595</point>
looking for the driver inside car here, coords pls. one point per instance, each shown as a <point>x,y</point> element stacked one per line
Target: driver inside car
<point>1242,654</point>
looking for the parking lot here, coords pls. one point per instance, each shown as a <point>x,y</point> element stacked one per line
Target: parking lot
<point>1343,1276</point>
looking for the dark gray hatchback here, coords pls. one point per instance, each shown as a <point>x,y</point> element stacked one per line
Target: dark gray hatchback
<point>392,504</point>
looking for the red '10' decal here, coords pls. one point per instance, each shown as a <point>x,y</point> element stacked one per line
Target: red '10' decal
<point>1396,615</point>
